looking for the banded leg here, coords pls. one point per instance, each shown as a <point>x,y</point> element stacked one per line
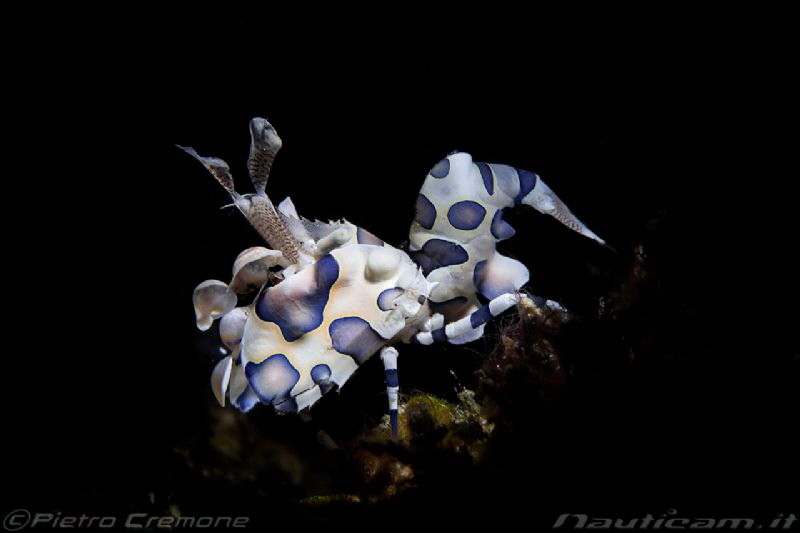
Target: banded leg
<point>494,308</point>
<point>389,358</point>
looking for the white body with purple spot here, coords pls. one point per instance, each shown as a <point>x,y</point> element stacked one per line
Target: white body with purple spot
<point>458,222</point>
<point>310,332</point>
<point>342,294</point>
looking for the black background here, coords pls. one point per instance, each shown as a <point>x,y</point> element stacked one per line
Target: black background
<point>665,127</point>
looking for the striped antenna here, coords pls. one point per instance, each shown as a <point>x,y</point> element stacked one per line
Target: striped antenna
<point>218,168</point>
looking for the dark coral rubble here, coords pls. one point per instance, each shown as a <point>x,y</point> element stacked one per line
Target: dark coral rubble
<point>454,432</point>
<point>547,408</point>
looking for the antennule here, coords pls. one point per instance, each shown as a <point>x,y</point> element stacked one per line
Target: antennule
<point>267,223</point>
<point>217,167</point>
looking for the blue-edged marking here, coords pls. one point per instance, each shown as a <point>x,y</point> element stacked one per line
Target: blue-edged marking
<point>437,253</point>
<point>387,297</point>
<point>273,378</point>
<point>246,400</point>
<point>486,176</point>
<point>321,375</point>
<point>527,181</point>
<point>391,378</point>
<point>426,212</point>
<point>466,214</point>
<point>501,230</point>
<point>439,335</point>
<point>321,372</point>
<point>305,313</point>
<point>354,336</point>
<point>441,169</point>
<point>478,274</point>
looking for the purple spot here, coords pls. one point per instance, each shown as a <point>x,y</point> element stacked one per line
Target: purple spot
<point>501,229</point>
<point>273,378</point>
<point>441,169</point>
<point>486,175</point>
<point>437,253</point>
<point>426,212</point>
<point>527,181</point>
<point>304,313</point>
<point>354,336</point>
<point>466,215</point>
<point>386,298</point>
<point>321,375</point>
<point>246,400</point>
<point>365,237</point>
<point>478,274</point>
<point>321,372</point>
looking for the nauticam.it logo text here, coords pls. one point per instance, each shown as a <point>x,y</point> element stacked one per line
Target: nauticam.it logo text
<point>671,520</point>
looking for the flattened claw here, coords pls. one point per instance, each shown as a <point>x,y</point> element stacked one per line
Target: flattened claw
<point>220,378</point>
<point>231,327</point>
<point>212,299</point>
<point>238,383</point>
<point>251,268</point>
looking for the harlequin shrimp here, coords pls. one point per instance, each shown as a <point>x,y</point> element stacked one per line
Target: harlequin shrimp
<point>330,295</point>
